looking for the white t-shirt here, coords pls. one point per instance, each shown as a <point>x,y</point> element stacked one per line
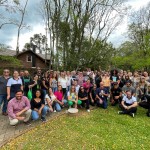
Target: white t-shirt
<point>53,97</point>
<point>77,88</point>
<point>129,101</point>
<point>68,78</point>
<point>63,82</point>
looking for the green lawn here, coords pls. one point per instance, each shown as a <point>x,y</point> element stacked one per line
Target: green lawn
<point>100,129</point>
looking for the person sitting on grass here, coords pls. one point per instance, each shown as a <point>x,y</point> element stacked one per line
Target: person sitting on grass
<point>115,94</point>
<point>146,103</point>
<point>60,99</point>
<point>101,96</point>
<point>38,107</point>
<point>73,97</point>
<point>19,109</point>
<point>83,96</point>
<point>128,105</point>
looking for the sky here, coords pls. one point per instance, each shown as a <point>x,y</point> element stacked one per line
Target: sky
<point>8,34</point>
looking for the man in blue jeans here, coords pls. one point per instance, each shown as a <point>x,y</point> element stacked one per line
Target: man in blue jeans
<point>101,96</point>
<point>3,90</point>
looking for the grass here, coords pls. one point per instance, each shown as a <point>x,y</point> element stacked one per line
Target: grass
<point>100,129</point>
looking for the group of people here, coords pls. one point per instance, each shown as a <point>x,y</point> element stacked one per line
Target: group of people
<point>24,96</point>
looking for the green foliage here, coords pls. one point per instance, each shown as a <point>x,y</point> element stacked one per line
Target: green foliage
<point>130,56</point>
<point>12,60</point>
<point>98,130</point>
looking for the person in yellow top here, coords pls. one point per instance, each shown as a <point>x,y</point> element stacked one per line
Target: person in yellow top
<point>106,81</point>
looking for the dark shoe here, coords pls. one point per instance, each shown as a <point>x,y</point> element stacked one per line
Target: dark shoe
<point>28,123</point>
<point>43,119</point>
<point>148,114</point>
<point>4,113</point>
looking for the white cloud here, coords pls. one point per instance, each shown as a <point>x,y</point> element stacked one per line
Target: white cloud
<point>120,35</point>
<point>137,4</point>
<point>25,37</point>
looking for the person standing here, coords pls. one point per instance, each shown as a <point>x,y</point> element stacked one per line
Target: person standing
<point>26,79</point>
<point>3,90</point>
<point>14,84</point>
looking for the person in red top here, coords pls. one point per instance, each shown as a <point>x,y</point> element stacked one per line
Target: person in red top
<point>60,99</point>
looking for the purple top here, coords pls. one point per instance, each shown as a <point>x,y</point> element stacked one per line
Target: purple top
<point>15,106</point>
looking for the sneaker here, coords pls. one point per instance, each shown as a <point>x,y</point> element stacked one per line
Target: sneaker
<point>132,115</point>
<point>28,123</point>
<point>43,119</point>
<point>54,110</point>
<point>120,112</point>
<point>88,110</point>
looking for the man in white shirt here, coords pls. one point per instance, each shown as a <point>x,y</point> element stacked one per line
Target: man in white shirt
<point>128,105</point>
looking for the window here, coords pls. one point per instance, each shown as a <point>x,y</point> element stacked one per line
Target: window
<point>29,58</point>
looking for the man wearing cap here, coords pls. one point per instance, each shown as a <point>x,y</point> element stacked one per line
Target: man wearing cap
<point>128,87</point>
<point>116,94</point>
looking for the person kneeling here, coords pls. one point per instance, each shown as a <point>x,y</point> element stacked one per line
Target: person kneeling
<point>19,109</point>
<point>116,94</point>
<point>101,96</point>
<point>73,97</point>
<point>38,107</point>
<point>128,104</point>
<point>83,97</point>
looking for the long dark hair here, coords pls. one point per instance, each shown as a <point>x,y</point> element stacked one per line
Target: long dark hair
<point>41,96</point>
<point>80,89</point>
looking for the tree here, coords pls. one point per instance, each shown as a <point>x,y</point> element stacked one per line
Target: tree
<point>16,11</point>
<point>70,22</point>
<point>139,34</point>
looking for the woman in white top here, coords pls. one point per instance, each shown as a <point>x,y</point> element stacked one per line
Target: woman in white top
<point>63,82</point>
<point>68,77</point>
<point>50,100</point>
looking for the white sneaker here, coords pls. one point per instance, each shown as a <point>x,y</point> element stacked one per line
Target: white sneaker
<point>88,110</point>
<point>54,110</point>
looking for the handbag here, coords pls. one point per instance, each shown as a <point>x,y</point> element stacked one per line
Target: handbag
<point>29,94</point>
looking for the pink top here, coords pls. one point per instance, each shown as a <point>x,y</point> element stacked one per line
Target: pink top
<point>15,106</point>
<point>87,86</point>
<point>59,95</point>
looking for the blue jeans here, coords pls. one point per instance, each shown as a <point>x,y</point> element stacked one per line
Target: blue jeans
<point>35,114</point>
<point>54,89</point>
<point>68,88</point>
<point>103,105</point>
<point>3,99</point>
<point>58,106</point>
<point>44,93</point>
